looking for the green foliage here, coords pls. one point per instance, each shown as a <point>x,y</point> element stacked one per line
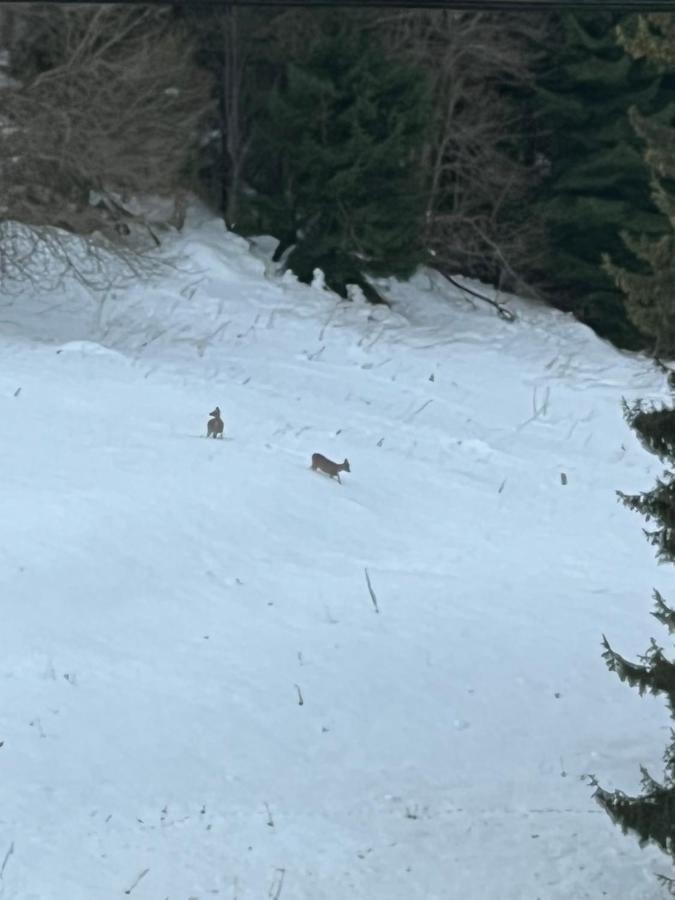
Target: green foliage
<point>658,505</point>
<point>651,815</point>
<point>649,292</point>
<point>656,675</point>
<point>338,173</point>
<point>649,295</point>
<point>654,426</point>
<point>652,36</point>
<point>597,184</point>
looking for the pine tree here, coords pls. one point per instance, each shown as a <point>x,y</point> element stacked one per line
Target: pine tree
<point>649,293</point>
<point>597,183</point>
<point>342,132</point>
<point>651,816</point>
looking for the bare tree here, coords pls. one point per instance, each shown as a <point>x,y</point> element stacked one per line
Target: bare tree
<point>235,138</point>
<point>226,37</point>
<point>476,170</point>
<point>245,49</point>
<point>104,105</point>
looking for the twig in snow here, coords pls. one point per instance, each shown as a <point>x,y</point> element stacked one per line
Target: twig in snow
<point>378,335</point>
<point>538,410</point>
<point>572,430</point>
<point>189,290</point>
<point>371,591</point>
<point>301,701</point>
<point>9,853</point>
<point>502,310</point>
<point>543,409</point>
<point>140,877</point>
<point>203,342</point>
<point>277,885</point>
<point>270,820</point>
<point>152,234</point>
<point>423,406</point>
<point>326,323</point>
<point>36,723</point>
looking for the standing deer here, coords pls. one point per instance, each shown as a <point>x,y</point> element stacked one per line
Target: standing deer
<point>215,425</point>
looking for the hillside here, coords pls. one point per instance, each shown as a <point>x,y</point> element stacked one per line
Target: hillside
<point>168,600</point>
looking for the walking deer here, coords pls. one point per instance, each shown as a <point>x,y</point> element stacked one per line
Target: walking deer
<point>319,461</point>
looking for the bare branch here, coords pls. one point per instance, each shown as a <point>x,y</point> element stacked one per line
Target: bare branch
<point>110,112</point>
<point>475,177</point>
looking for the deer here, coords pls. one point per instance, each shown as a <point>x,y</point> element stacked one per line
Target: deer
<point>215,425</point>
<point>322,463</point>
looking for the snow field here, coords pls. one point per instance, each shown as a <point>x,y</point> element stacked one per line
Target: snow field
<point>168,601</point>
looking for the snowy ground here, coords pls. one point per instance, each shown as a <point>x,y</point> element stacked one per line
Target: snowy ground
<point>167,600</point>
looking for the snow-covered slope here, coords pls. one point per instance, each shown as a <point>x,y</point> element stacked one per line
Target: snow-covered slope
<point>168,601</point>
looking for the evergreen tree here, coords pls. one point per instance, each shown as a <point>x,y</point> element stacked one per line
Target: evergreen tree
<point>650,293</point>
<point>651,816</point>
<point>597,183</point>
<point>338,174</point>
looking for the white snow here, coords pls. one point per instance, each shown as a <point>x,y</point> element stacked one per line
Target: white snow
<point>167,600</point>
